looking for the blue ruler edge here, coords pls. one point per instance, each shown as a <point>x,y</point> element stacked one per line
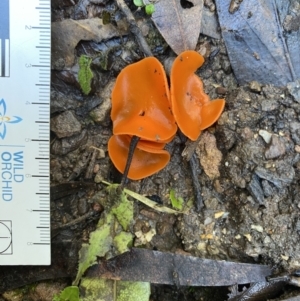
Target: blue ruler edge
<point>4,38</point>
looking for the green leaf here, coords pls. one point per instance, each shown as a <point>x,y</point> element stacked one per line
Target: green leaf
<point>85,74</point>
<point>70,293</point>
<point>93,289</point>
<point>138,3</point>
<point>123,241</point>
<point>110,290</point>
<point>150,9</point>
<point>99,244</point>
<point>124,211</point>
<point>133,291</point>
<point>177,203</point>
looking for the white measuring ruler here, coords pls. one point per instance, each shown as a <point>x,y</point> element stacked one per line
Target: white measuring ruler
<point>25,37</point>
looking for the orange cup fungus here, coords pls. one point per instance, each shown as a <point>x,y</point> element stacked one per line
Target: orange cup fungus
<point>142,106</point>
<point>192,108</point>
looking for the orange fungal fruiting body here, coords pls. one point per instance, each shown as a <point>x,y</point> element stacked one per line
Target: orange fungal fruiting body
<point>145,161</point>
<point>141,107</point>
<point>140,102</point>
<point>192,108</point>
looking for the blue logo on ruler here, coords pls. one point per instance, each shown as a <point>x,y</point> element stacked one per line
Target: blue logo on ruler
<point>5,119</point>
<point>4,38</point>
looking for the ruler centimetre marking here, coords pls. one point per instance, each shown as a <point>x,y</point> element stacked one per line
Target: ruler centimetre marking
<point>25,54</point>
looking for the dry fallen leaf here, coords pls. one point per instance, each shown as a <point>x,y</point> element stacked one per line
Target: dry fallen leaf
<point>258,47</point>
<point>209,155</point>
<point>66,35</point>
<point>179,26</point>
<point>176,269</point>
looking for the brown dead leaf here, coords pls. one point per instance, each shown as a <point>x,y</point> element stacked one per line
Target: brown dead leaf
<point>66,35</point>
<point>179,26</point>
<point>177,269</point>
<point>209,155</point>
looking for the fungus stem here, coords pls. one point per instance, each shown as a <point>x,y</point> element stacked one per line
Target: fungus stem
<point>133,143</point>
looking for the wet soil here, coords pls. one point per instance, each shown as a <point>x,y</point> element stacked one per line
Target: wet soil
<point>249,187</point>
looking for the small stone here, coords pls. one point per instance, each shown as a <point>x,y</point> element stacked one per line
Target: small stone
<point>64,146</point>
<point>206,236</point>
<point>297,148</point>
<point>248,236</point>
<point>267,240</point>
<point>209,155</point>
<point>205,49</point>
<point>226,66</point>
<point>65,125</point>
<point>210,4</point>
<point>149,235</point>
<point>257,228</point>
<point>219,214</point>
<point>255,86</point>
<point>145,30</point>
<point>295,131</point>
<point>267,188</point>
<point>162,228</point>
<point>201,246</point>
<point>96,168</point>
<point>255,190</point>
<point>282,177</point>
<point>211,203</point>
<point>207,221</point>
<point>221,90</point>
<point>284,257</point>
<point>98,178</point>
<point>268,105</point>
<point>101,113</point>
<point>82,206</point>
<point>212,249</point>
<point>101,153</point>
<point>276,148</point>
<point>168,63</point>
<point>294,89</point>
<point>265,135</point>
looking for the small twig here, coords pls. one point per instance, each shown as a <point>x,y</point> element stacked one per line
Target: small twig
<point>194,166</point>
<point>55,230</point>
<point>197,188</point>
<point>190,147</point>
<point>133,143</point>
<point>135,30</point>
<point>90,168</point>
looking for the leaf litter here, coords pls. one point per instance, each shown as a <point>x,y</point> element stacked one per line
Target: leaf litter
<point>179,26</point>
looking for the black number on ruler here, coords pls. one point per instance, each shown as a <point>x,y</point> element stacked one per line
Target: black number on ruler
<point>4,38</point>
